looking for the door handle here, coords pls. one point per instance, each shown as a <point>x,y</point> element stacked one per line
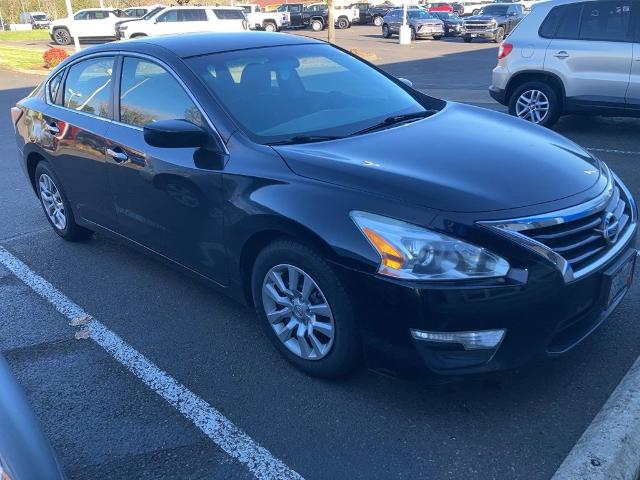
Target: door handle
<point>52,128</point>
<point>561,54</point>
<point>118,155</point>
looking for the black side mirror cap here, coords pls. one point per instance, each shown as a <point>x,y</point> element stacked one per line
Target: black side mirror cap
<point>175,134</point>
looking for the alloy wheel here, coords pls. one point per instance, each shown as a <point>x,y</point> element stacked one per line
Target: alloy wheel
<point>61,36</point>
<point>52,201</point>
<point>298,312</point>
<point>532,105</point>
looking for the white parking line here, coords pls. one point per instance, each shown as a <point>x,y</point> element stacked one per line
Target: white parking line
<point>210,421</point>
<point>607,150</point>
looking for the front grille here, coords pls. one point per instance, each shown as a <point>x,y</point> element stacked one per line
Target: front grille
<point>476,25</point>
<point>582,241</point>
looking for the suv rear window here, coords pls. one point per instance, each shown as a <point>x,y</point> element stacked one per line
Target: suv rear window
<point>224,14</point>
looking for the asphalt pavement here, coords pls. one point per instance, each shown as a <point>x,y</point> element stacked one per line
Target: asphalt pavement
<point>104,422</point>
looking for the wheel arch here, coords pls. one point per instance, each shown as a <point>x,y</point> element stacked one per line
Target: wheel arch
<point>32,160</point>
<point>535,75</point>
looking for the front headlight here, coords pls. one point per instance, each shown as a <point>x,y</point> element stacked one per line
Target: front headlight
<point>411,252</point>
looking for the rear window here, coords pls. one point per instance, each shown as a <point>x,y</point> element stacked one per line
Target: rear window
<point>562,22</point>
<point>226,14</point>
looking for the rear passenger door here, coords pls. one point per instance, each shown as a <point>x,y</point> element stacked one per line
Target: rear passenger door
<point>167,199</point>
<point>76,124</point>
<point>591,51</point>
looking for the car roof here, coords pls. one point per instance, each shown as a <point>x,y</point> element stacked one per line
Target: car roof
<point>195,44</point>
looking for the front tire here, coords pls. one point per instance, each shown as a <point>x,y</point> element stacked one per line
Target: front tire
<point>499,35</point>
<point>386,33</point>
<point>56,206</point>
<point>305,310</point>
<point>62,36</point>
<point>536,102</point>
<point>437,37</point>
<point>343,23</point>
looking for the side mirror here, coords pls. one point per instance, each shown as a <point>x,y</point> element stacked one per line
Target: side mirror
<point>408,83</point>
<point>175,134</point>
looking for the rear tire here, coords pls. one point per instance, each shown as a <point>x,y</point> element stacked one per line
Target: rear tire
<point>317,25</point>
<point>55,204</point>
<point>343,23</point>
<point>336,346</point>
<point>437,37</point>
<point>413,33</point>
<point>526,95</point>
<point>62,36</point>
<point>377,21</point>
<point>270,27</point>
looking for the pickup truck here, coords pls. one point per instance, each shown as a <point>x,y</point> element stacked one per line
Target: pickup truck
<point>267,21</point>
<point>493,22</point>
<point>343,16</point>
<point>317,18</point>
<point>370,13</point>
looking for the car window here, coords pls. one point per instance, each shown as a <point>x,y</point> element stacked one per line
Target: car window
<point>97,15</point>
<point>149,93</point>
<point>605,21</point>
<point>294,8</point>
<point>569,22</point>
<point>193,15</point>
<point>169,16</point>
<point>80,16</point>
<point>54,86</point>
<point>88,86</point>
<point>228,14</point>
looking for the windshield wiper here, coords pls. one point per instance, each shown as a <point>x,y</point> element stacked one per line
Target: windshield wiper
<point>304,139</point>
<point>394,120</point>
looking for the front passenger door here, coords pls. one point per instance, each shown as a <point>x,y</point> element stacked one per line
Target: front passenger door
<point>166,199</point>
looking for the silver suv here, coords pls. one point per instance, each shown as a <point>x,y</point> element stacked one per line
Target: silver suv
<point>571,57</point>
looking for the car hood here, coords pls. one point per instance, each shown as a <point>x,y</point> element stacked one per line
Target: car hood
<point>486,18</point>
<point>462,159</point>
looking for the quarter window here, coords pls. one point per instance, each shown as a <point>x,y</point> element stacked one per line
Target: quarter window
<point>569,23</point>
<point>89,85</point>
<point>54,86</point>
<point>605,21</point>
<point>228,14</point>
<point>149,93</point>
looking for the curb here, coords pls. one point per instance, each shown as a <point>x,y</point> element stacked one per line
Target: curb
<point>610,447</point>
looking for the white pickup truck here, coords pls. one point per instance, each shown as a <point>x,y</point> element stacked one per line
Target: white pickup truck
<point>267,21</point>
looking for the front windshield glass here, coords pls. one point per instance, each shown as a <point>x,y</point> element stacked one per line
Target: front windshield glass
<point>39,17</point>
<point>494,10</point>
<point>279,93</point>
<point>419,14</point>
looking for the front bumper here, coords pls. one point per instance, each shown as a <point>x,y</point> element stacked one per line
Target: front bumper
<point>489,33</point>
<point>541,315</point>
<point>425,32</point>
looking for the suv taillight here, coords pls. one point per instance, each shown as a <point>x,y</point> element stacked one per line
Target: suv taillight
<point>16,113</point>
<point>504,50</point>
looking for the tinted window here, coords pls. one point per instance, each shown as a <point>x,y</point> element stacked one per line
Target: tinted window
<point>81,16</point>
<point>550,24</point>
<point>97,15</point>
<point>226,14</point>
<point>88,86</point>
<point>569,22</point>
<point>494,10</point>
<point>193,15</point>
<point>54,86</point>
<point>170,16</point>
<point>149,93</point>
<point>419,14</point>
<point>607,21</point>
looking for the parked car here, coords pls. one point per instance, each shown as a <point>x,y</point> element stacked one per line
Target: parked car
<point>370,14</point>
<point>25,452</point>
<point>267,21</point>
<point>493,22</point>
<point>439,7</point>
<point>422,23</point>
<point>38,20</point>
<point>580,58</point>
<point>88,24</point>
<point>354,229</point>
<point>126,20</point>
<point>472,7</point>
<point>172,20</point>
<point>452,23</point>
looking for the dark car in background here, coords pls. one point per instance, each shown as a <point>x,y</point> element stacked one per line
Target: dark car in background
<point>493,22</point>
<point>370,13</point>
<point>342,215</point>
<point>452,23</point>
<point>422,23</point>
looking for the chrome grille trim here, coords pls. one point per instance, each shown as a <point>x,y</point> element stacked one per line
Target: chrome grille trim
<point>615,198</point>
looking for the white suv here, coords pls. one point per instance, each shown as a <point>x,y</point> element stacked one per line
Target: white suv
<point>572,57</point>
<point>87,24</point>
<point>186,20</point>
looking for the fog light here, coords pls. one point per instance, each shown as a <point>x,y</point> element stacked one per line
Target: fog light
<point>481,340</point>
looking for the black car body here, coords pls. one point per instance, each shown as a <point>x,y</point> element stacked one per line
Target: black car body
<point>423,257</point>
<point>493,22</point>
<point>370,13</point>
<point>452,23</point>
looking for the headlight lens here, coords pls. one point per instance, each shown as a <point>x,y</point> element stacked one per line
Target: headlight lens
<point>411,252</point>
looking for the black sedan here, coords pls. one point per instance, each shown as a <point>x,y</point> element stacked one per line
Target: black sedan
<point>259,164</point>
<point>452,23</point>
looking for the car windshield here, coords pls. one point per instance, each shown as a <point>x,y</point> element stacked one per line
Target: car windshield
<point>285,92</point>
<point>494,10</point>
<point>39,17</point>
<point>152,13</point>
<point>419,14</point>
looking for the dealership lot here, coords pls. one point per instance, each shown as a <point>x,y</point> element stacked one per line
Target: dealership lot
<point>104,422</point>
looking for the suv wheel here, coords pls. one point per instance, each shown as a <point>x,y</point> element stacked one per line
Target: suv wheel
<point>499,35</point>
<point>377,21</point>
<point>305,310</point>
<point>62,36</point>
<point>536,102</point>
<point>386,33</point>
<point>316,25</point>
<point>56,206</point>
<point>413,33</point>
